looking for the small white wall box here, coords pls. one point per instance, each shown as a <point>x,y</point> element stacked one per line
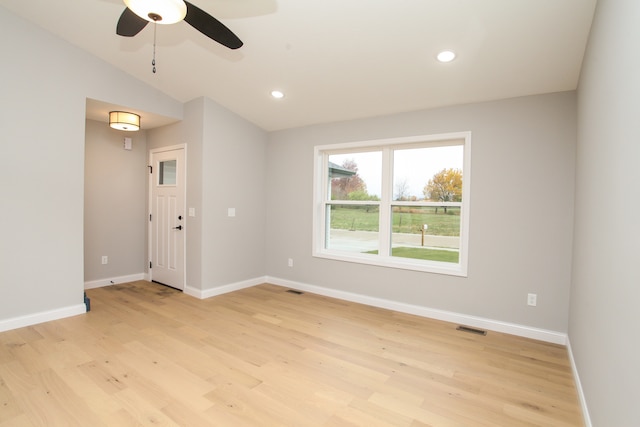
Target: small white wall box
<point>127,144</point>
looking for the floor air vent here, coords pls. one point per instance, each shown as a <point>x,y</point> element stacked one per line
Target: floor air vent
<point>471,330</point>
<point>293,291</point>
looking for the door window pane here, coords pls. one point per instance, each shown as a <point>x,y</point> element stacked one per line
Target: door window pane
<point>167,173</point>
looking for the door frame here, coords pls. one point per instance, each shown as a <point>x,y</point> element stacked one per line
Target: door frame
<point>150,181</point>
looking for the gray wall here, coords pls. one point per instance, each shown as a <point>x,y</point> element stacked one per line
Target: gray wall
<point>45,84</point>
<point>522,171</point>
<point>233,171</point>
<point>226,158</point>
<point>115,200</point>
<point>605,320</point>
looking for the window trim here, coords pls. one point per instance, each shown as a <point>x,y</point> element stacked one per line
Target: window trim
<point>320,190</point>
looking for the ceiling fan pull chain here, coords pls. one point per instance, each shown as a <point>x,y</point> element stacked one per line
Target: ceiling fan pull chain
<point>153,61</point>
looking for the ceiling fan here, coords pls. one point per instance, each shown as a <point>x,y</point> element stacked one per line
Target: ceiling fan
<point>140,12</point>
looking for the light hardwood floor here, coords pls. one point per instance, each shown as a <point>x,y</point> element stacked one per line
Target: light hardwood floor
<point>149,355</point>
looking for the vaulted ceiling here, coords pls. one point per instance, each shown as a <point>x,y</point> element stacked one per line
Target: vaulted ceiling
<point>339,59</point>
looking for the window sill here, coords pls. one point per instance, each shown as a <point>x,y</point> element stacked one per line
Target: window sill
<point>394,262</point>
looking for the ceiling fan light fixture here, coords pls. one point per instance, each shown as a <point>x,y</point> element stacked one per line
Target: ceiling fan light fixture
<point>159,11</point>
<point>122,120</point>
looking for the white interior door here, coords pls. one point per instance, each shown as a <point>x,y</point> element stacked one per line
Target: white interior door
<point>167,217</point>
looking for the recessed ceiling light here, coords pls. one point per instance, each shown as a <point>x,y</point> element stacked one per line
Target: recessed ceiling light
<point>277,94</point>
<point>446,56</point>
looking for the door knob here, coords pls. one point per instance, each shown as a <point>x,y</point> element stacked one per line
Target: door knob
<point>178,227</point>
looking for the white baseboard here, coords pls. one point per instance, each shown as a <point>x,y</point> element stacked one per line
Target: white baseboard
<point>212,292</point>
<point>115,280</point>
<point>581,397</point>
<point>41,317</point>
<point>432,313</point>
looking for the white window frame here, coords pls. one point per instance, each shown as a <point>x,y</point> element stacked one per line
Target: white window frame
<point>321,196</point>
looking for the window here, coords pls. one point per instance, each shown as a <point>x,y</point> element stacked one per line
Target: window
<point>400,203</point>
<point>167,174</point>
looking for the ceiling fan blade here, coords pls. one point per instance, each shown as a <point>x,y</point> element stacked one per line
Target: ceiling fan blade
<point>211,27</point>
<point>130,24</point>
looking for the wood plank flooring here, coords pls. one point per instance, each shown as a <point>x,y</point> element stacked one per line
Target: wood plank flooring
<point>147,355</point>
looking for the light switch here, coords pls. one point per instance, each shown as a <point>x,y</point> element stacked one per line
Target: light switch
<point>231,212</point>
<point>192,211</point>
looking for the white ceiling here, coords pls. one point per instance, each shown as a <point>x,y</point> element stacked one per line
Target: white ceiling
<point>339,59</point>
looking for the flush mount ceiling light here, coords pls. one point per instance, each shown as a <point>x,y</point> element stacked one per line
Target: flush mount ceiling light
<point>446,56</point>
<point>277,94</point>
<point>122,120</point>
<point>159,11</point>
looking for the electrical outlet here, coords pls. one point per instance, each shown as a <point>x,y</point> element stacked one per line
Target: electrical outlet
<point>290,262</point>
<point>532,299</point>
<point>105,259</point>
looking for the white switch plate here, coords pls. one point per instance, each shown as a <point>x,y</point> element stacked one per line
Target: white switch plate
<point>231,212</point>
<point>290,262</point>
<point>105,259</point>
<point>532,300</point>
<point>192,211</point>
